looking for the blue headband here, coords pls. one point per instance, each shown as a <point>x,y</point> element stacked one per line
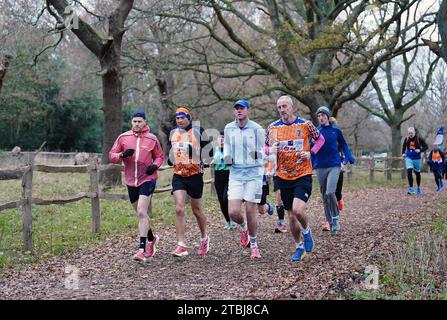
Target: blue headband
<point>181,113</point>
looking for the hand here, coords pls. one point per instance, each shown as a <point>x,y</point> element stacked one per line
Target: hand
<point>127,153</point>
<point>151,169</point>
<point>418,150</point>
<point>274,148</point>
<point>305,154</point>
<point>343,167</point>
<point>403,155</point>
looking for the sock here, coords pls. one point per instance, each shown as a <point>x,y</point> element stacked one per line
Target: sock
<point>244,226</point>
<point>253,243</point>
<point>201,239</point>
<point>305,231</point>
<point>299,245</point>
<point>150,236</point>
<point>280,211</point>
<point>181,243</point>
<point>282,222</point>
<point>143,243</point>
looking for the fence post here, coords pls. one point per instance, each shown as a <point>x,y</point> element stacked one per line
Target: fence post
<point>372,170</point>
<point>94,187</point>
<point>403,171</point>
<point>213,188</point>
<point>27,196</point>
<point>389,168</point>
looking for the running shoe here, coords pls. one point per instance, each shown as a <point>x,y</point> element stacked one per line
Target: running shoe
<point>244,238</point>
<point>308,242</point>
<point>280,228</point>
<point>204,246</point>
<point>180,251</point>
<point>299,254</point>
<point>341,204</point>
<point>410,190</point>
<point>254,253</point>
<point>418,191</point>
<point>270,209</point>
<point>139,256</point>
<point>151,247</point>
<point>326,226</point>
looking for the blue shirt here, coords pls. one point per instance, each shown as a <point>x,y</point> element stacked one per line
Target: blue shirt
<point>329,156</point>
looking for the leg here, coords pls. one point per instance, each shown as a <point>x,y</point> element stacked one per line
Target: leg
<point>180,223</point>
<point>322,176</point>
<point>234,210</point>
<point>252,223</point>
<point>196,206</point>
<point>338,191</point>
<point>221,184</point>
<point>410,177</point>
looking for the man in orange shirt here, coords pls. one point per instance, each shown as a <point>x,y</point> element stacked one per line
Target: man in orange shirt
<point>288,139</point>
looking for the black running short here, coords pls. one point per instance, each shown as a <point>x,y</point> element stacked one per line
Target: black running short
<point>146,189</point>
<point>300,188</point>
<point>193,185</point>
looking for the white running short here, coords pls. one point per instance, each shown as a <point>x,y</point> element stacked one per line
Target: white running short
<point>250,191</point>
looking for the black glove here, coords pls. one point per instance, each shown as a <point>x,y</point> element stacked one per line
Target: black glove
<point>151,169</point>
<point>127,153</point>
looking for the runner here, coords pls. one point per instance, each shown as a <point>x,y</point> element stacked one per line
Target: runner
<point>142,155</point>
<point>185,154</point>
<point>339,190</point>
<point>221,176</point>
<point>412,148</point>
<point>436,161</point>
<point>288,139</point>
<point>328,166</point>
<point>243,149</point>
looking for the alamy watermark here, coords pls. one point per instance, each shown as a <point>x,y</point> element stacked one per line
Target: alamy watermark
<point>71,20</point>
<point>72,277</point>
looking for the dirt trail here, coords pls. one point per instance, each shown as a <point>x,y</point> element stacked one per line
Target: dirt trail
<point>373,223</point>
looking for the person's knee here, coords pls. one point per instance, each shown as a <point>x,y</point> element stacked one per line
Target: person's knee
<point>410,171</point>
<point>179,210</point>
<point>142,214</point>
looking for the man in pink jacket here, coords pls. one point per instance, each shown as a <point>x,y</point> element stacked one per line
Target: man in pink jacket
<point>142,155</point>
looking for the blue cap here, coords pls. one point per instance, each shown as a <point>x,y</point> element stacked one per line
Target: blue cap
<point>242,102</point>
<point>139,113</point>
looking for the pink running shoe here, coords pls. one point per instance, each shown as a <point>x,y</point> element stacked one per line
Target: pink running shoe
<point>204,246</point>
<point>180,251</point>
<point>151,247</point>
<point>244,238</point>
<point>280,228</point>
<point>255,254</point>
<point>139,256</point>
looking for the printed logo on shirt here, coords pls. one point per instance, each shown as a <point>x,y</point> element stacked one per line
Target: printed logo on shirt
<point>306,195</point>
<point>291,145</point>
<point>298,132</point>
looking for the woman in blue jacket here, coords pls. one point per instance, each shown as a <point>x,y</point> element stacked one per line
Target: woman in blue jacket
<point>327,163</point>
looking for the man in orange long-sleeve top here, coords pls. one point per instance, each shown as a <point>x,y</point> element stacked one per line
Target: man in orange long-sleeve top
<point>141,153</point>
<point>289,140</point>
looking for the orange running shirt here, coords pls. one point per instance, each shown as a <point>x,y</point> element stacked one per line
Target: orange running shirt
<point>292,139</point>
<point>186,151</point>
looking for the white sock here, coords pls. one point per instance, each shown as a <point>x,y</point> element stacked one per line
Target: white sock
<point>181,243</point>
<point>253,243</point>
<point>201,239</point>
<point>299,245</point>
<point>244,226</point>
<point>305,231</point>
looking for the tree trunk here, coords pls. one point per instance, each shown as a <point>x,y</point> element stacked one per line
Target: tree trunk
<point>396,139</point>
<point>442,25</point>
<point>165,116</point>
<point>112,108</point>
<point>4,62</point>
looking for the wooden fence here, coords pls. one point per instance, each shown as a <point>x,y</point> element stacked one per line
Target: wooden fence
<point>95,193</point>
<point>378,164</point>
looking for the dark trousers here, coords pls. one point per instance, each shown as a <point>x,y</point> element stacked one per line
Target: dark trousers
<point>221,183</point>
<point>339,187</point>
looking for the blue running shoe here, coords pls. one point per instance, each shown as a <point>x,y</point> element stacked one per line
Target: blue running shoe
<point>299,254</point>
<point>308,242</point>
<point>418,191</point>
<point>270,208</point>
<point>410,190</point>
<point>438,189</point>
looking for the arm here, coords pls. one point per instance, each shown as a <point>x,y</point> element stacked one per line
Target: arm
<point>404,146</point>
<point>318,138</point>
<point>115,152</point>
<point>348,157</point>
<point>227,148</point>
<point>423,145</point>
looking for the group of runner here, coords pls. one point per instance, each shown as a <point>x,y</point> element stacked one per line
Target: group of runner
<point>244,155</point>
